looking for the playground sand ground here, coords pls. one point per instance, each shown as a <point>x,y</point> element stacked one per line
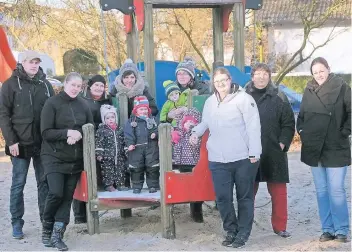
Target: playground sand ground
<point>143,230</point>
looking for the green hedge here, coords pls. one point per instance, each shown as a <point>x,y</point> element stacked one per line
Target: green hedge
<point>298,83</point>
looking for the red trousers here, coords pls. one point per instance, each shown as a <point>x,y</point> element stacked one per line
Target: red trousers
<point>278,193</point>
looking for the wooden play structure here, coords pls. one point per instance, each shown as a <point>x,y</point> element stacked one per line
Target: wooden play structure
<point>176,187</point>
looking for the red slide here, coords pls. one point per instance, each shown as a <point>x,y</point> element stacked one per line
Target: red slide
<point>7,60</point>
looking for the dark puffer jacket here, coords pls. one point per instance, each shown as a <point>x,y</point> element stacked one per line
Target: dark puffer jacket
<point>277,126</point>
<point>60,114</point>
<point>202,87</point>
<point>21,101</point>
<point>109,144</point>
<point>94,105</point>
<point>324,123</point>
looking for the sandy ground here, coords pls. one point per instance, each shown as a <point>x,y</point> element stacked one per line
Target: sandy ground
<point>142,231</point>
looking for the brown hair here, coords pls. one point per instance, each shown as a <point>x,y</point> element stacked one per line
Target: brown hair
<point>261,66</point>
<point>219,70</point>
<point>319,60</point>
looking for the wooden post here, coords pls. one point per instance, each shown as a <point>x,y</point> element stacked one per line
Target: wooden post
<point>238,34</point>
<point>165,151</point>
<point>123,110</point>
<point>190,100</point>
<point>132,42</point>
<point>218,44</point>
<point>90,167</point>
<point>149,61</point>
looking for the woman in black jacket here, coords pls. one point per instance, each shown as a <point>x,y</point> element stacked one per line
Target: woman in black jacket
<point>95,96</point>
<point>62,155</point>
<point>130,82</point>
<point>324,124</point>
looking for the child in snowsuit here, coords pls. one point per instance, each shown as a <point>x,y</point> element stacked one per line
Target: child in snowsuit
<point>141,139</point>
<point>175,101</point>
<point>109,150</point>
<point>185,155</point>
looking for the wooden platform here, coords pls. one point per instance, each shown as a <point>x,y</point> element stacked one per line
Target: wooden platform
<point>129,195</point>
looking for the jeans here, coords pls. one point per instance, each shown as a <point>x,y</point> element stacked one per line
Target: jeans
<point>331,196</point>
<point>225,176</point>
<point>60,196</point>
<point>19,176</point>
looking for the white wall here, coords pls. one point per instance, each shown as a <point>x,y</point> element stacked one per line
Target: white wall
<point>337,52</point>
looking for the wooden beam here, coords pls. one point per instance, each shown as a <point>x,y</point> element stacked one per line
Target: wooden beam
<point>218,41</point>
<point>165,151</point>
<point>90,168</point>
<point>123,111</point>
<point>149,61</point>
<point>238,34</point>
<point>132,42</point>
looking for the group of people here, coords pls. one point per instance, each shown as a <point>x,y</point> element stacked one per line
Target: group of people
<point>250,128</point>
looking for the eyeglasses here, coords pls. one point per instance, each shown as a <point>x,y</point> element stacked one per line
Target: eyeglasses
<point>223,81</point>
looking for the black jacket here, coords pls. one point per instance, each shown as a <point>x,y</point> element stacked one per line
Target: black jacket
<point>202,87</point>
<point>277,126</point>
<point>94,105</point>
<point>61,113</point>
<point>324,123</point>
<point>140,134</point>
<point>21,103</point>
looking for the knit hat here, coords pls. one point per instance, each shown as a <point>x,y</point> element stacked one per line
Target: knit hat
<point>188,118</point>
<point>170,86</point>
<point>139,102</point>
<point>187,65</point>
<point>105,109</point>
<point>96,78</point>
<point>128,66</point>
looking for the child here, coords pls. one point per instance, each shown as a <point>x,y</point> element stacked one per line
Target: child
<point>176,101</point>
<point>109,150</point>
<point>141,139</point>
<point>185,155</point>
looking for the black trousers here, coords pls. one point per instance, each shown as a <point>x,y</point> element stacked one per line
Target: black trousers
<point>59,199</point>
<point>152,175</point>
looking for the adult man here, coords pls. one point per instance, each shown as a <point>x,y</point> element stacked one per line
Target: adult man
<point>278,127</point>
<point>22,98</point>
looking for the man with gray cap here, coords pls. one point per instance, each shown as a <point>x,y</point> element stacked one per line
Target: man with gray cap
<point>22,98</point>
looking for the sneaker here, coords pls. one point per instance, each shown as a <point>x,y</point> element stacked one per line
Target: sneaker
<point>283,234</point>
<point>17,232</point>
<point>238,243</point>
<point>229,239</point>
<point>152,190</point>
<point>326,236</point>
<point>137,191</point>
<point>341,238</point>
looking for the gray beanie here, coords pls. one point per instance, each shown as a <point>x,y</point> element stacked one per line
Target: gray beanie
<point>187,65</point>
<point>128,66</point>
<point>105,109</point>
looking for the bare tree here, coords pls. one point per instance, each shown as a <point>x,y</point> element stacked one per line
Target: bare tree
<point>311,21</point>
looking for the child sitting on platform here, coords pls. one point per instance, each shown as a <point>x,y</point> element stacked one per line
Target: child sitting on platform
<point>141,139</point>
<point>109,150</point>
<point>176,102</point>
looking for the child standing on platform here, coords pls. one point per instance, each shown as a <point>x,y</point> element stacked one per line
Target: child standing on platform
<point>141,139</point>
<point>109,150</point>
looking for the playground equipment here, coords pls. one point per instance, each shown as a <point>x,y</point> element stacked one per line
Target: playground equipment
<point>175,187</point>
<point>7,60</point>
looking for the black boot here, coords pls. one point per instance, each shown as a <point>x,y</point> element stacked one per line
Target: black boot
<point>197,212</point>
<point>46,233</point>
<point>56,237</point>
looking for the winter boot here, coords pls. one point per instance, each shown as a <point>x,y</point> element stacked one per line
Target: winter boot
<point>197,212</point>
<point>56,237</point>
<point>47,230</point>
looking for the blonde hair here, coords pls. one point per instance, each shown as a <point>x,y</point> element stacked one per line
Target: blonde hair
<point>71,76</point>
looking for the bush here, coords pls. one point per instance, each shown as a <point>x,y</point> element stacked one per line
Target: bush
<point>299,83</point>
